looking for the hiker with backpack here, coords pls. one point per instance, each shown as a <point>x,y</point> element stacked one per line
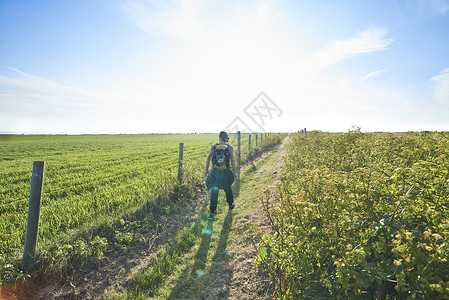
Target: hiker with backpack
<point>222,174</point>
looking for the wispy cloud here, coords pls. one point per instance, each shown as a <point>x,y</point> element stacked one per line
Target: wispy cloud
<point>372,75</point>
<point>182,19</point>
<point>194,20</point>
<point>23,93</point>
<point>440,85</point>
<point>370,40</point>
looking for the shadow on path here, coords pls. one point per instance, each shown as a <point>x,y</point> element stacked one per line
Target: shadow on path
<point>190,274</point>
<point>192,282</point>
<point>219,269</point>
<point>201,254</point>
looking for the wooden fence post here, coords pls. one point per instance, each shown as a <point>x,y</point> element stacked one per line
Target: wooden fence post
<point>256,140</point>
<point>34,209</point>
<point>238,152</point>
<point>261,140</point>
<point>181,154</point>
<point>249,143</point>
<point>305,132</point>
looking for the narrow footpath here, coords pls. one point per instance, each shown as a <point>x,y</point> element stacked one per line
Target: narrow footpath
<point>230,265</point>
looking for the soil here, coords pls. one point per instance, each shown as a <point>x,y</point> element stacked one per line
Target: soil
<point>238,279</point>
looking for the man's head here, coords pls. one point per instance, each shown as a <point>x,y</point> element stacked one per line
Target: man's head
<point>223,136</point>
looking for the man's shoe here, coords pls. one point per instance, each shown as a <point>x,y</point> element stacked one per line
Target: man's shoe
<point>232,205</point>
<point>211,217</point>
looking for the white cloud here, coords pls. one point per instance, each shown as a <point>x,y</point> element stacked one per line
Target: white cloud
<point>372,75</point>
<point>177,95</point>
<point>28,88</point>
<point>231,53</point>
<point>183,19</point>
<point>440,85</point>
<point>266,7</point>
<point>31,99</point>
<point>370,40</point>
<point>194,20</point>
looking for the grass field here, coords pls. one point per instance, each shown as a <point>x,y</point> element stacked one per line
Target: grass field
<point>90,181</point>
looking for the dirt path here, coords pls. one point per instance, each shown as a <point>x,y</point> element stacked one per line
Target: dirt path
<point>246,282</point>
<point>232,273</point>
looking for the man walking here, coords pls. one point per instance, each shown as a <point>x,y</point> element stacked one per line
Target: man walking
<point>223,172</point>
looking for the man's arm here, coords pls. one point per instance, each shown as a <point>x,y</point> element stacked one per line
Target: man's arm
<point>208,162</point>
<point>234,169</point>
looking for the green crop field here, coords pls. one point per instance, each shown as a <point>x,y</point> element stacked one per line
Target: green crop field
<point>361,216</point>
<point>90,180</point>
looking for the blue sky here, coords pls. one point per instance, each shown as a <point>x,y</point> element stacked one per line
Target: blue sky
<point>141,66</point>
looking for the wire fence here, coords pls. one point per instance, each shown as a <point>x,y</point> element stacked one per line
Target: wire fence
<point>251,140</point>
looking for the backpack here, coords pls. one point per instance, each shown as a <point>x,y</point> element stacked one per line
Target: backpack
<point>220,158</point>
